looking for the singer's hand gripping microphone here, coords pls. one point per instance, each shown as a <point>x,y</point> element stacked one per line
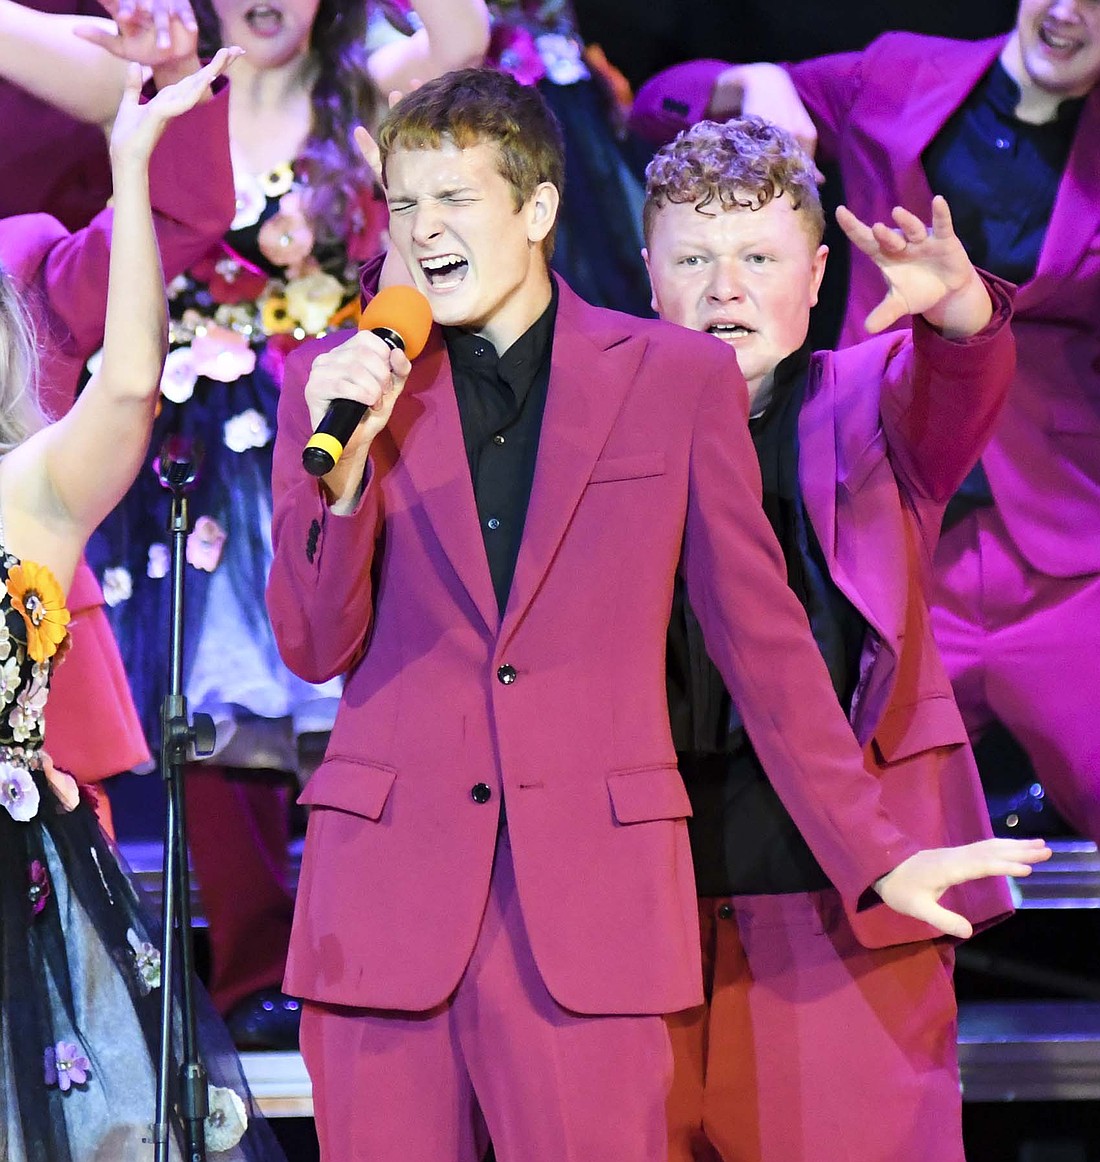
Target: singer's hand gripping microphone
<point>402,317</point>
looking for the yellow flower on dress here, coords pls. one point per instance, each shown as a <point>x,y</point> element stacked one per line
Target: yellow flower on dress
<point>36,594</point>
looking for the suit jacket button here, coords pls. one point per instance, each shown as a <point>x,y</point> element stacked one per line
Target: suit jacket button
<point>481,792</point>
<point>725,911</point>
<point>506,675</point>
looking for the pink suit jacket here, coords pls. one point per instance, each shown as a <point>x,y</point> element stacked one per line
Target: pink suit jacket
<point>888,430</point>
<point>92,728</point>
<point>645,465</point>
<point>876,112</point>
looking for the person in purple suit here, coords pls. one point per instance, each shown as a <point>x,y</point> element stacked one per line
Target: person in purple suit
<point>814,1015</point>
<point>497,904</point>
<point>1009,130</point>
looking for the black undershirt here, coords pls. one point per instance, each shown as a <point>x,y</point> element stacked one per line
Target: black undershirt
<point>501,400</point>
<point>743,840</point>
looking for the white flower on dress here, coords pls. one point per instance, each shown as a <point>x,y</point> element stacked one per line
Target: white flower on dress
<point>9,680</point>
<point>562,57</point>
<point>177,380</point>
<point>248,430</point>
<point>118,585</point>
<point>177,286</point>
<point>146,960</point>
<point>18,793</point>
<point>227,1120</point>
<point>204,544</point>
<point>26,719</point>
<point>222,354</point>
<point>5,640</point>
<point>159,561</point>
<point>251,201</point>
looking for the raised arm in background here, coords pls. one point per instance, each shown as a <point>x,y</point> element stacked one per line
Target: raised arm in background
<point>56,486</point>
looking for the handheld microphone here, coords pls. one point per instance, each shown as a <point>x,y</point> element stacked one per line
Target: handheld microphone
<point>402,317</point>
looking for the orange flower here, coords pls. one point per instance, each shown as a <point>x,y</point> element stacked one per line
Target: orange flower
<point>36,594</point>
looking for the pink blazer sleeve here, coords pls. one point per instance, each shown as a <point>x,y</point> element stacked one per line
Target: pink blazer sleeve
<point>756,632</point>
<point>319,592</point>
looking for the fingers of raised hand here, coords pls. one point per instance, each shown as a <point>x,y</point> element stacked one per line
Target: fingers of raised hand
<point>368,147</point>
<point>859,233</point>
<point>942,224</point>
<point>890,242</point>
<point>886,314</point>
<point>911,227</point>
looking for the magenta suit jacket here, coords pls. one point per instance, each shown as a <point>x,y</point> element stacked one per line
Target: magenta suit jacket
<point>92,728</point>
<point>888,430</point>
<point>644,465</point>
<point>876,112</point>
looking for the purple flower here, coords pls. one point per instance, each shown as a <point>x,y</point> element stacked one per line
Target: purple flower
<point>66,1066</point>
<point>39,891</point>
<point>18,794</point>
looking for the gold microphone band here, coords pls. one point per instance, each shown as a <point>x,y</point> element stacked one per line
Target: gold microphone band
<point>326,443</point>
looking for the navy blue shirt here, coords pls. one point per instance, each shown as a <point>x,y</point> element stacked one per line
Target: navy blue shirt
<point>1000,175</point>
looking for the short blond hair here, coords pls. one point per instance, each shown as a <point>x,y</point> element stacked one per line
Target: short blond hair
<point>740,164</point>
<point>483,106</point>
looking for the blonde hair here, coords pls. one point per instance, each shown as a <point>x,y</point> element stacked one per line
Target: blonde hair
<point>740,164</point>
<point>20,411</point>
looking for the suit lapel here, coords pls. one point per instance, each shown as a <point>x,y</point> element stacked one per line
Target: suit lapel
<point>940,85</point>
<point>1073,223</point>
<point>428,433</point>
<point>591,368</point>
<point>820,473</point>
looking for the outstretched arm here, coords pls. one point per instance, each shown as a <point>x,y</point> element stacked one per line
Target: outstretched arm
<point>454,34</point>
<point>60,483</point>
<point>40,52</point>
<point>676,98</point>
<point>59,58</point>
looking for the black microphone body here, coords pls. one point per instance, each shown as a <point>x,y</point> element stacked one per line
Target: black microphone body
<point>331,435</point>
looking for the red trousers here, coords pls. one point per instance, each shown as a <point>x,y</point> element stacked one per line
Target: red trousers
<point>811,1048</point>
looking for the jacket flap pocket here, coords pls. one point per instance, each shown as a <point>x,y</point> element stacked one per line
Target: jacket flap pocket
<point>628,467</point>
<point>360,788</point>
<point>908,730</point>
<point>648,793</point>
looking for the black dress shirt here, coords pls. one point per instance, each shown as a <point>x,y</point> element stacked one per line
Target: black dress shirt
<point>501,399</point>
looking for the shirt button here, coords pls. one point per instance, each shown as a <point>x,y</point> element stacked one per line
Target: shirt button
<point>506,675</point>
<point>498,438</point>
<point>1002,143</point>
<point>493,523</point>
<point>481,792</point>
<point>725,911</point>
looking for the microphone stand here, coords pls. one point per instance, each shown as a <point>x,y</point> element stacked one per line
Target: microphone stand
<point>178,471</point>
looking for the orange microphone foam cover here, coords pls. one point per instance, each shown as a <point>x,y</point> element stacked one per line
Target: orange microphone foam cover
<point>402,310</point>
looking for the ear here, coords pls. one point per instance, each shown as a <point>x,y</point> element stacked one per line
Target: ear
<point>817,272</point>
<point>652,288</point>
<point>542,211</point>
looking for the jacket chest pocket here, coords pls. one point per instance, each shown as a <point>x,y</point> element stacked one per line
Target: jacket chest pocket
<point>612,468</point>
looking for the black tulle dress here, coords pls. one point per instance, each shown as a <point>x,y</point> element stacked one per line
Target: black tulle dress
<point>80,980</point>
